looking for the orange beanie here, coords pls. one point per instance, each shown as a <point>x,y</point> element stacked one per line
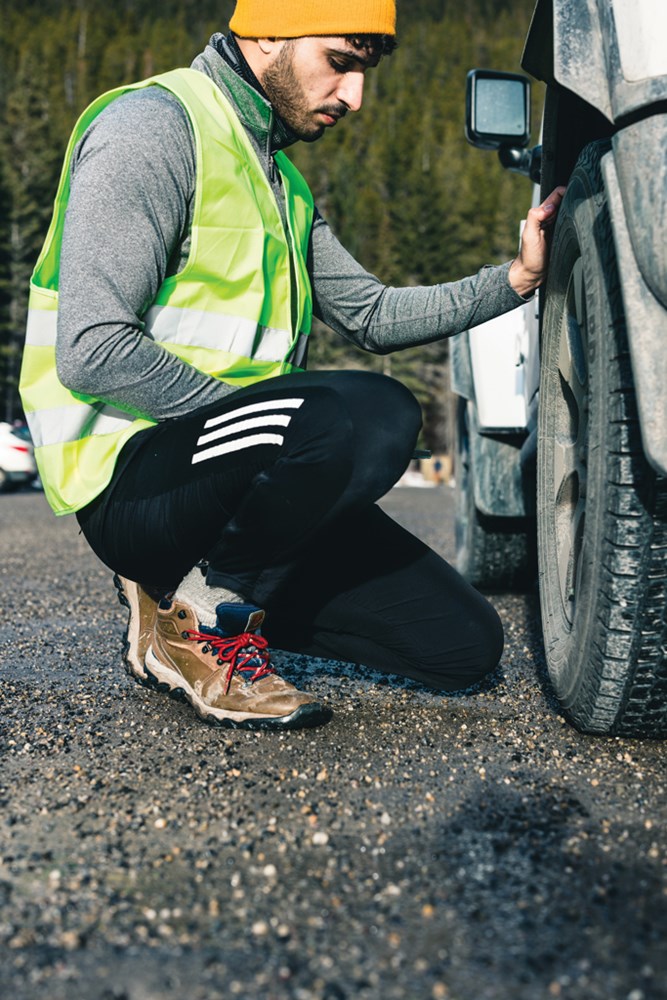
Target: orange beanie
<point>296,18</point>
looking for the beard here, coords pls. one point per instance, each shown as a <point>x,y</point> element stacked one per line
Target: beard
<point>288,97</point>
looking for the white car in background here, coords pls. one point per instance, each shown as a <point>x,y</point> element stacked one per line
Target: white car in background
<point>17,460</point>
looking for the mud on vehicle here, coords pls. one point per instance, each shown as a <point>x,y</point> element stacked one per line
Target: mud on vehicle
<point>561,450</point>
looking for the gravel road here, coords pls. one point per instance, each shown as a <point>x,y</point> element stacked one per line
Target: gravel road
<point>421,845</point>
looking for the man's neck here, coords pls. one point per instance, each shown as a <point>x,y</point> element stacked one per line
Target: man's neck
<point>230,51</point>
<point>239,48</point>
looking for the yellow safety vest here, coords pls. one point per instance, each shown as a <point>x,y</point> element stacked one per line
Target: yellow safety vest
<point>229,312</point>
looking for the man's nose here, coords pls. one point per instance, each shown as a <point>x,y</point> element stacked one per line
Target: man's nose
<point>351,90</point>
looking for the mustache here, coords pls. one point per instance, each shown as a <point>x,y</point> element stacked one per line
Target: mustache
<point>335,110</point>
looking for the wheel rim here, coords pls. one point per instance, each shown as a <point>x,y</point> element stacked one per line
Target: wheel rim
<point>571,440</point>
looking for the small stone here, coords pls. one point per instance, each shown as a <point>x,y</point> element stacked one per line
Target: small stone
<point>320,838</point>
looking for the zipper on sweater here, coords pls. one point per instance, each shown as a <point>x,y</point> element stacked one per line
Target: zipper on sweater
<point>273,170</point>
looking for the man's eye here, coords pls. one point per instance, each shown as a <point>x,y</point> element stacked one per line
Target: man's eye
<point>340,67</point>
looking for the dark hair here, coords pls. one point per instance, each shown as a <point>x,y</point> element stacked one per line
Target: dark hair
<point>382,45</point>
<point>370,45</point>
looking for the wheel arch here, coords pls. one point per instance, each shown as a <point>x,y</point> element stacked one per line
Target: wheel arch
<point>637,205</point>
<point>592,50</point>
<point>645,314</point>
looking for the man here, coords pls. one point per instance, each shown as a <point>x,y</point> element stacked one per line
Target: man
<point>163,378</point>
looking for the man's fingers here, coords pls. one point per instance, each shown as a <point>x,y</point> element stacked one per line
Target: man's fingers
<point>530,267</point>
<point>547,211</point>
<point>555,198</point>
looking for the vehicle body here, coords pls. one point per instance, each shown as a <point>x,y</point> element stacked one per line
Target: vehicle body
<point>17,461</point>
<point>562,430</point>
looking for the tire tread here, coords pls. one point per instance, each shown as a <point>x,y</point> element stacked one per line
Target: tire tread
<point>623,690</point>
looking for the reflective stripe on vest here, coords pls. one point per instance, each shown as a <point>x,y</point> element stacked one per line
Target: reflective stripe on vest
<point>68,423</point>
<point>169,325</point>
<point>229,312</point>
<point>236,334</point>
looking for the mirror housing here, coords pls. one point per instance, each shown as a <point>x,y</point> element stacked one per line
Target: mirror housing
<point>497,109</point>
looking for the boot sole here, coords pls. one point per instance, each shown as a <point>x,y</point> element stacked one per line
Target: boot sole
<point>168,681</point>
<point>133,668</point>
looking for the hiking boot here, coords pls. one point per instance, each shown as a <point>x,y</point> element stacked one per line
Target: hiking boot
<point>141,623</point>
<point>225,672</point>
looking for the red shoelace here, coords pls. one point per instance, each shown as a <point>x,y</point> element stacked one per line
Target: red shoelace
<point>237,651</point>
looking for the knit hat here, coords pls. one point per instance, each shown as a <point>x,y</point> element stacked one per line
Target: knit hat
<point>297,18</point>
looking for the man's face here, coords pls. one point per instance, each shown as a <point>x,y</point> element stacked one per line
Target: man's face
<point>313,81</point>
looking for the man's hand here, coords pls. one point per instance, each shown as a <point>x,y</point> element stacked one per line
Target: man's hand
<point>529,268</point>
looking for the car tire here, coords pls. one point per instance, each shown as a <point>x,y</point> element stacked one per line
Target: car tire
<point>601,509</point>
<point>492,553</point>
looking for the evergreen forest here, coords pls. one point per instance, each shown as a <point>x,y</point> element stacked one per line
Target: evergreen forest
<point>398,183</point>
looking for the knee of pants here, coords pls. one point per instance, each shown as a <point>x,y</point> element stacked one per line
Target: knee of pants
<point>476,654</point>
<point>368,421</point>
<point>491,643</point>
<point>393,409</point>
<point>387,420</point>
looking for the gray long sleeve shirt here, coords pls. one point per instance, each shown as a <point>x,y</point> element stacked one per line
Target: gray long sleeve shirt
<point>127,228</point>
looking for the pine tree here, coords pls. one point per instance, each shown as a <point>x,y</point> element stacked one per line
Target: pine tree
<point>7,377</point>
<point>30,168</point>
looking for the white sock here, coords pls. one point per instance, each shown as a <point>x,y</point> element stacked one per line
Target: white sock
<point>195,592</point>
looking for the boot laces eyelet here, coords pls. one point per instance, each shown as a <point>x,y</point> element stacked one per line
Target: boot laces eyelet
<point>244,654</point>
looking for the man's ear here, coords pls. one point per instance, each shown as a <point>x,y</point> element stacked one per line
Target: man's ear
<point>259,52</point>
<point>268,45</point>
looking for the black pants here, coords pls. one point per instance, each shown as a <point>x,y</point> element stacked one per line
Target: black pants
<point>276,489</point>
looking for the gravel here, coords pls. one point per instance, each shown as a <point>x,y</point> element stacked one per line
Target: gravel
<point>419,846</point>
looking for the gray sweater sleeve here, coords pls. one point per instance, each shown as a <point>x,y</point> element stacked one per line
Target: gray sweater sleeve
<point>380,319</point>
<point>126,228</point>
<point>132,179</point>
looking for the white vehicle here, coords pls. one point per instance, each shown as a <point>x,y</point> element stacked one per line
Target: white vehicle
<point>562,429</point>
<point>17,461</point>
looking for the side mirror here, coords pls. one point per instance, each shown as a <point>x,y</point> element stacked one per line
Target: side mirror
<point>497,109</point>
